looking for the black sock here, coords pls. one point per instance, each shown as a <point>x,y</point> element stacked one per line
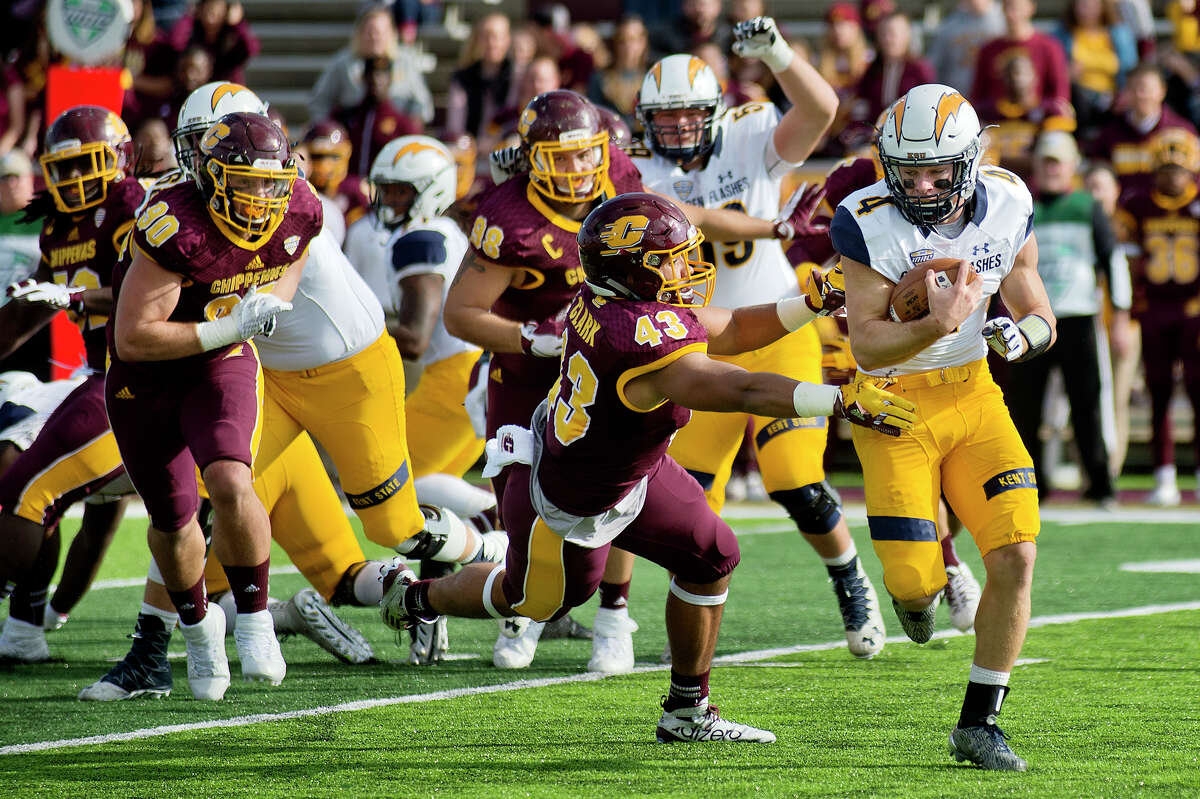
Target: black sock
<point>416,601</point>
<point>982,704</point>
<point>687,690</point>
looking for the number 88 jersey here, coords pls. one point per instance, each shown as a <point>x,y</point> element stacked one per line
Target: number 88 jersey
<point>598,446</point>
<point>743,173</point>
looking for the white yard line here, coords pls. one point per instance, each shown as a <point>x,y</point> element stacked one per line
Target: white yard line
<point>366,704</point>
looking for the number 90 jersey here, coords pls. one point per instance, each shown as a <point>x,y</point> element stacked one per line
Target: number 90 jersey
<point>175,231</point>
<point>598,446</point>
<point>743,173</point>
<point>867,227</point>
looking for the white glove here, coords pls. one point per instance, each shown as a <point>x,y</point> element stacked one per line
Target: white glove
<point>254,315</point>
<point>543,339</point>
<point>1003,335</point>
<point>51,295</point>
<point>507,162</point>
<point>760,38</point>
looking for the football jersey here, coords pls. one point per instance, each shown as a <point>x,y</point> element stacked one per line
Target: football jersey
<point>596,446</point>
<point>429,247</point>
<point>334,219</point>
<point>176,231</point>
<point>81,250</point>
<point>366,247</point>
<point>1131,151</point>
<point>1164,266</point>
<point>514,227</point>
<point>869,228</point>
<point>743,173</point>
<point>334,313</point>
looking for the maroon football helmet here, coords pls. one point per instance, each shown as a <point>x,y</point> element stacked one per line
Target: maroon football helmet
<point>246,174</point>
<point>87,148</point>
<point>619,134</point>
<point>327,147</point>
<point>567,146</point>
<point>641,246</point>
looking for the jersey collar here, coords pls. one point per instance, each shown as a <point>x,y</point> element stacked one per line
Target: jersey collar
<point>554,217</point>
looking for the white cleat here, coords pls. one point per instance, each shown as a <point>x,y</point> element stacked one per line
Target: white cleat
<point>861,617</point>
<point>494,546</point>
<point>612,641</point>
<point>703,724</point>
<point>1164,495</point>
<point>962,596</point>
<point>53,620</point>
<point>309,615</point>
<point>258,648</point>
<point>23,642</point>
<point>517,643</point>
<point>208,665</point>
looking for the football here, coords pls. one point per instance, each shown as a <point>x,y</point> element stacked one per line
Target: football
<point>910,299</point>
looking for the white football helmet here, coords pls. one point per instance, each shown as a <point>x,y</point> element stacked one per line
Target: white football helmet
<point>680,81</point>
<point>420,162</point>
<point>931,125</point>
<point>201,109</point>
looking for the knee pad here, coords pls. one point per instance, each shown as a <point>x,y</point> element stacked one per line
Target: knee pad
<point>815,508</point>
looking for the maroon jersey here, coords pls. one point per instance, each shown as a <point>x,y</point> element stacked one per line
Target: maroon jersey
<point>1132,152</point>
<point>847,177</point>
<point>1166,273</point>
<point>176,231</point>
<point>597,447</point>
<point>1013,129</point>
<point>81,250</point>
<point>515,227</point>
<point>1044,51</point>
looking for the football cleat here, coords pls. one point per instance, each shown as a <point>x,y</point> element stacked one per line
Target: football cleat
<point>566,627</point>
<point>258,648</point>
<point>918,625</point>
<point>396,580</point>
<point>859,604</point>
<point>962,596</point>
<point>144,671</point>
<point>1164,495</point>
<point>703,724</point>
<point>493,547</point>
<point>23,642</point>
<point>208,665</point>
<point>307,613</point>
<point>612,641</point>
<point>429,643</point>
<point>53,620</point>
<point>517,643</point>
<point>985,746</point>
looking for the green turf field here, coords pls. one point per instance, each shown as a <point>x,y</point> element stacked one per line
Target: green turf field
<point>1104,704</point>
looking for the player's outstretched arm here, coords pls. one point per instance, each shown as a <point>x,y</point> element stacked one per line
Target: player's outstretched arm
<point>468,314</point>
<point>875,340</point>
<point>753,326</point>
<point>420,303</point>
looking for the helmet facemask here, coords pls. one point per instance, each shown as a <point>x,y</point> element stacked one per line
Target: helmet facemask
<point>555,163</point>
<point>250,199</point>
<point>392,205</point>
<point>680,142</point>
<point>683,271</point>
<point>78,175</point>
<point>935,208</point>
<point>187,143</point>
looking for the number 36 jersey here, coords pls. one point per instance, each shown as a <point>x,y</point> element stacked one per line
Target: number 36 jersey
<point>868,227</point>
<point>743,173</point>
<point>598,446</point>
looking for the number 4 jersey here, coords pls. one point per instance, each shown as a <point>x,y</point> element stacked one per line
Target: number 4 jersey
<point>743,173</point>
<point>598,446</point>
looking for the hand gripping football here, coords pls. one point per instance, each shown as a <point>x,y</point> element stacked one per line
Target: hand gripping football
<point>910,298</point>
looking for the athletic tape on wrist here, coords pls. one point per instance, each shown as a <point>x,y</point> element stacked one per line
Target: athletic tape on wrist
<point>794,313</point>
<point>1037,332</point>
<point>701,600</point>
<point>487,593</point>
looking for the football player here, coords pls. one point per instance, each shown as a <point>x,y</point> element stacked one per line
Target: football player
<point>88,209</point>
<point>594,473</point>
<point>1165,227</point>
<point>936,201</point>
<point>326,149</point>
<point>699,152</point>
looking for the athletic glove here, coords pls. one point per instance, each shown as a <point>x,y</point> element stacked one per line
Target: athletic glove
<point>760,38</point>
<point>507,162</point>
<point>51,295</point>
<point>254,315</point>
<point>1003,336</point>
<point>861,402</point>
<point>825,292</point>
<point>795,218</point>
<point>543,339</point>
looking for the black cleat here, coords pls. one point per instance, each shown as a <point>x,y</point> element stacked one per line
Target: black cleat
<point>985,746</point>
<point>144,671</point>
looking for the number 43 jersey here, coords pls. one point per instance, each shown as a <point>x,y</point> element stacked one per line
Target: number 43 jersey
<point>597,445</point>
<point>743,173</point>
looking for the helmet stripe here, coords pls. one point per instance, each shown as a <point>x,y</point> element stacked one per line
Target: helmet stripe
<point>947,107</point>
<point>899,116</point>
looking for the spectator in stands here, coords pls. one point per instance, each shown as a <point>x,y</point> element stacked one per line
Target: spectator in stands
<point>893,71</point>
<point>411,15</point>
<point>12,109</point>
<point>193,69</point>
<point>485,83</point>
<point>342,84</point>
<point>376,120</point>
<point>1018,116</point>
<point>1101,51</point>
<point>953,47</point>
<point>1138,17</point>
<point>551,27</point>
<point>149,56</point>
<point>617,85</point>
<point>1044,52</point>
<point>699,21</point>
<point>588,39</point>
<point>540,76</point>
<point>873,12</point>
<point>1076,246</point>
<point>743,10</point>
<point>153,146</point>
<point>1128,139</point>
<point>843,58</point>
<point>169,12</point>
<point>220,27</point>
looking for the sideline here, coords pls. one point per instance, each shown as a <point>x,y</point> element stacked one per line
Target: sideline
<point>591,676</point>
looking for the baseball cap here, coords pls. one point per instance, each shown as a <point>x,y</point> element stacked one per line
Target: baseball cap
<point>15,162</point>
<point>1056,144</point>
<point>843,12</point>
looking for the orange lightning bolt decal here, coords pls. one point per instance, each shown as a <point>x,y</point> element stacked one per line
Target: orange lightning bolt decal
<point>947,107</point>
<point>228,88</point>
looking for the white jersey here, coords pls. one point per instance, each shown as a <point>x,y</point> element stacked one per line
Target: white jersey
<point>335,220</point>
<point>744,173</point>
<point>430,247</point>
<point>868,227</point>
<point>366,247</point>
<point>26,403</point>
<point>334,314</point>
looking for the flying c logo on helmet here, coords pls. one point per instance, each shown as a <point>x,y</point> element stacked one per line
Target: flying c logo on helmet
<point>218,132</point>
<point>226,90</point>
<point>947,107</point>
<point>527,118</point>
<point>625,233</point>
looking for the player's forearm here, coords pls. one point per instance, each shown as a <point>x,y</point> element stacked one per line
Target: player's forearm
<point>880,342</point>
<point>410,339</point>
<point>483,328</point>
<point>723,224</point>
<point>749,328</point>
<point>98,301</point>
<point>157,341</point>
